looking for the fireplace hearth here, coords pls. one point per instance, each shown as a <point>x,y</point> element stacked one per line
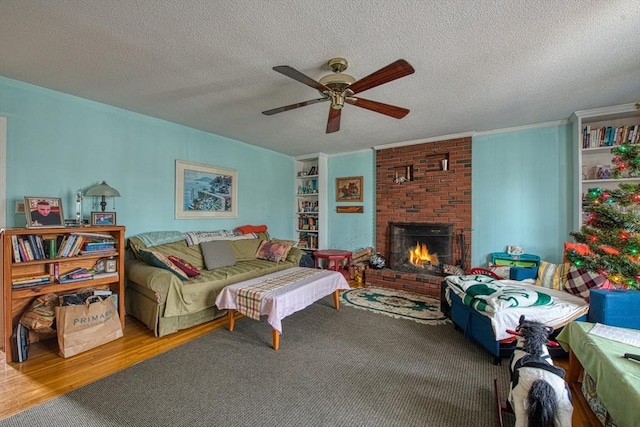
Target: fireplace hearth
<point>420,248</point>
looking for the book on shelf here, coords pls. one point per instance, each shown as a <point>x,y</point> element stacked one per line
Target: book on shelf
<point>99,246</point>
<point>34,278</point>
<point>51,248</point>
<point>105,275</point>
<point>16,249</point>
<point>95,252</point>
<point>33,244</point>
<point>27,246</point>
<point>70,280</point>
<point>41,282</point>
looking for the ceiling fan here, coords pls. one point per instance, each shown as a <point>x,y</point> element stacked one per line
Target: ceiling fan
<point>340,88</point>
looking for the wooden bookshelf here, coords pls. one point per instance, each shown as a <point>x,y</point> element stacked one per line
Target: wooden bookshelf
<point>15,301</point>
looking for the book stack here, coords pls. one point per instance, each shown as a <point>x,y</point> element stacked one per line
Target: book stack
<point>86,244</point>
<point>30,280</point>
<point>75,275</point>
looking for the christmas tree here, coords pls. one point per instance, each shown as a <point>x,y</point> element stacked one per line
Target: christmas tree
<point>612,226</point>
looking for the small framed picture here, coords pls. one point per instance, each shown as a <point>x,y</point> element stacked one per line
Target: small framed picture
<point>19,209</point>
<point>349,189</point>
<point>103,218</point>
<point>43,212</point>
<point>313,170</point>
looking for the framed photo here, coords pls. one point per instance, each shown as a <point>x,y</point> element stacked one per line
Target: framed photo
<point>204,191</point>
<point>43,212</point>
<point>103,218</point>
<point>313,170</point>
<point>349,189</point>
<point>19,208</point>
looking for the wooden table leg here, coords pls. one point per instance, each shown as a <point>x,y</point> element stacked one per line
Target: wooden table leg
<point>575,368</point>
<point>276,339</point>
<point>336,299</point>
<point>232,321</point>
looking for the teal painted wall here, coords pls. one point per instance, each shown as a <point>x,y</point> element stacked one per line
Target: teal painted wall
<point>352,231</point>
<point>57,144</point>
<point>521,186</point>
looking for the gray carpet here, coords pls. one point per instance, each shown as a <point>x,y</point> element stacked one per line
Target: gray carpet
<point>334,368</point>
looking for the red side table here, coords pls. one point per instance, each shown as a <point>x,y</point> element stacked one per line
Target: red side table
<point>332,255</point>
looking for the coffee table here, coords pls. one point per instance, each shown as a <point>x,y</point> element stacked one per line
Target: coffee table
<point>277,295</point>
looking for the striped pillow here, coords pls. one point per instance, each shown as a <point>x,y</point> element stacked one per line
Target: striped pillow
<point>552,276</point>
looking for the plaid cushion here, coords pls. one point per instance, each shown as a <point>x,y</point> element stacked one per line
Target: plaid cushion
<point>579,281</point>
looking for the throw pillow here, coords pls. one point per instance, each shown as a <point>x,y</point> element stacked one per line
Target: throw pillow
<point>289,244</point>
<point>217,254</point>
<point>183,265</point>
<point>273,251</point>
<point>552,276</point>
<point>246,229</point>
<point>158,260</point>
<point>579,281</point>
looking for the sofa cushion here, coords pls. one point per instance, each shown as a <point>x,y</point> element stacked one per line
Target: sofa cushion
<point>274,250</point>
<point>245,250</point>
<point>183,265</point>
<point>552,276</point>
<point>157,259</point>
<point>289,244</point>
<point>579,281</point>
<point>217,253</point>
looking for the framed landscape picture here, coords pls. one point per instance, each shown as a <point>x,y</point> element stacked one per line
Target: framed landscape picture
<point>43,212</point>
<point>349,189</point>
<point>204,191</point>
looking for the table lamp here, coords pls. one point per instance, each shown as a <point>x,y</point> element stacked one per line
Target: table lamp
<point>103,190</point>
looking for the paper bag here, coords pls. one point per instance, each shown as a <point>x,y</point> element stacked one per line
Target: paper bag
<point>85,326</point>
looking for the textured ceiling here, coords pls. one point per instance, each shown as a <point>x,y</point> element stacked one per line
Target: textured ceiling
<point>480,64</point>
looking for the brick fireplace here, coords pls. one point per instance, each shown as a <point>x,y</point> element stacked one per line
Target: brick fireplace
<point>413,188</point>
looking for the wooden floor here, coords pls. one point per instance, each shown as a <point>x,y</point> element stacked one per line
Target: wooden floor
<point>45,375</point>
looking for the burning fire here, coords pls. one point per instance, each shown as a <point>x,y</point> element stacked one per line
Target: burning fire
<point>419,255</point>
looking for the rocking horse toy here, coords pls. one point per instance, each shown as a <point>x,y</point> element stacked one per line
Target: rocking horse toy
<point>539,395</point>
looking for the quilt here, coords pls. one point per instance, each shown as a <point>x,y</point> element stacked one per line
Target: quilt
<point>490,295</point>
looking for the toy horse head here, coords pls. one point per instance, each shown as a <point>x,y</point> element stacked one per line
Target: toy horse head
<point>535,336</point>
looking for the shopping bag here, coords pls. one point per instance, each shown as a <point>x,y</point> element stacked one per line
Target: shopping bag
<point>40,316</point>
<point>85,326</point>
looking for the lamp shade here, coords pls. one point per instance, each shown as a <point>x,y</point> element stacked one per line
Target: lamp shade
<point>103,190</point>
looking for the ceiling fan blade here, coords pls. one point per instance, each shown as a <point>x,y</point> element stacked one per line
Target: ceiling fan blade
<point>391,72</point>
<point>297,75</point>
<point>293,106</point>
<point>333,123</point>
<point>378,107</point>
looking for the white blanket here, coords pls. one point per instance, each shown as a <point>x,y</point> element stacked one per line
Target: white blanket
<point>564,308</point>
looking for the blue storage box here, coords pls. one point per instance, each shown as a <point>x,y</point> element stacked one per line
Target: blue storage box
<point>523,260</point>
<point>521,273</point>
<point>619,307</point>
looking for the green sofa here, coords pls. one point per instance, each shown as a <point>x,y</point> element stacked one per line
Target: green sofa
<point>165,303</point>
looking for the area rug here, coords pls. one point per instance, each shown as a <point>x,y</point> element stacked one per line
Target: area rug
<point>396,303</point>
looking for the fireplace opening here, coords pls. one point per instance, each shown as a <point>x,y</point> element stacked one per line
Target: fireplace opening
<point>422,248</point>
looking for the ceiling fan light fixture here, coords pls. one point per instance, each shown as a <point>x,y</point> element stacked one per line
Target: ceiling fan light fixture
<point>337,82</point>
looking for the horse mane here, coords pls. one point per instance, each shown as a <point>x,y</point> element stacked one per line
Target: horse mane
<point>535,336</point>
